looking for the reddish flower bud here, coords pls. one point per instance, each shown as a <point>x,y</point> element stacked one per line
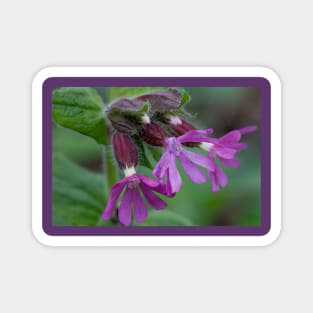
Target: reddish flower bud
<point>126,104</point>
<point>126,115</point>
<point>162,101</point>
<point>125,151</point>
<point>122,123</point>
<point>153,134</point>
<point>177,129</point>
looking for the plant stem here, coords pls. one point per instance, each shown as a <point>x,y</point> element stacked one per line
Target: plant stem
<point>108,158</point>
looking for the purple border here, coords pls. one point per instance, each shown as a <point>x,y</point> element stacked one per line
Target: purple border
<point>258,82</point>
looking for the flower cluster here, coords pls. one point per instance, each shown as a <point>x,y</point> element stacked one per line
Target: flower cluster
<point>157,119</point>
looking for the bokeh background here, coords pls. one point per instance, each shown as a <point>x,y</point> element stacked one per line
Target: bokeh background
<point>220,108</point>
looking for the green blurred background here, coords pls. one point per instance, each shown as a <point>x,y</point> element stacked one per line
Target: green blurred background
<point>220,108</point>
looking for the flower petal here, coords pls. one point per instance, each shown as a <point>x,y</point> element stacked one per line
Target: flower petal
<point>140,208</point>
<point>195,136</point>
<point>162,165</point>
<point>217,178</point>
<point>191,170</point>
<point>168,187</point>
<point>114,195</point>
<point>221,177</point>
<point>199,159</point>
<point>153,199</point>
<point>164,189</point>
<point>124,211</point>
<point>232,163</point>
<point>247,129</point>
<point>240,146</point>
<point>214,185</point>
<point>230,138</point>
<point>226,153</point>
<point>174,178</point>
<point>149,181</point>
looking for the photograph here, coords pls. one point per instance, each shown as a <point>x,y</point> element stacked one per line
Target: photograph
<point>156,156</point>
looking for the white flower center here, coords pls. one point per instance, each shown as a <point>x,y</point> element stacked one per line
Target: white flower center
<point>145,119</point>
<point>129,171</point>
<point>206,146</point>
<point>175,120</point>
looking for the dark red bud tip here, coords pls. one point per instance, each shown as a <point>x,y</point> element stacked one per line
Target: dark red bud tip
<point>153,134</point>
<point>180,129</point>
<point>125,151</point>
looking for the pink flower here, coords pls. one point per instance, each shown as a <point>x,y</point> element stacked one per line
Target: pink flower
<point>174,149</point>
<point>225,149</point>
<point>134,184</point>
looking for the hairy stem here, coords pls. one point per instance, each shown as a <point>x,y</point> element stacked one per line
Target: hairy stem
<point>109,165</point>
<point>109,162</point>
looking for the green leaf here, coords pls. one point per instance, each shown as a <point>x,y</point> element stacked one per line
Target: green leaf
<point>78,196</point>
<point>165,218</point>
<point>77,147</point>
<point>145,108</point>
<point>80,109</point>
<point>186,98</point>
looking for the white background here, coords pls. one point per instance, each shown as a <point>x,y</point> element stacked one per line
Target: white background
<point>36,34</point>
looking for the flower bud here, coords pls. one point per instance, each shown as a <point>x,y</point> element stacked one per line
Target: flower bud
<point>125,151</point>
<point>126,104</point>
<point>126,115</point>
<point>178,129</point>
<point>153,134</point>
<point>162,101</point>
<point>174,120</point>
<point>121,123</point>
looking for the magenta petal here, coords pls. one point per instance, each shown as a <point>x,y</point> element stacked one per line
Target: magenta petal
<point>141,211</point>
<point>191,170</point>
<point>230,138</point>
<point>174,176</point>
<point>153,199</point>
<point>211,162</point>
<point>162,165</point>
<point>163,189</point>
<point>217,178</point>
<point>149,181</point>
<point>247,129</point>
<point>221,177</point>
<point>195,136</point>
<point>124,211</point>
<point>226,153</point>
<point>168,186</point>
<point>114,195</point>
<point>215,187</point>
<point>199,159</point>
<point>240,146</point>
<point>232,163</point>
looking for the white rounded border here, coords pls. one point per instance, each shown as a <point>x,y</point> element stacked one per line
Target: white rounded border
<point>276,149</point>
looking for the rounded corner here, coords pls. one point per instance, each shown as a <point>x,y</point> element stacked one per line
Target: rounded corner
<point>271,236</point>
<point>270,75</point>
<point>41,236</point>
<point>42,75</point>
